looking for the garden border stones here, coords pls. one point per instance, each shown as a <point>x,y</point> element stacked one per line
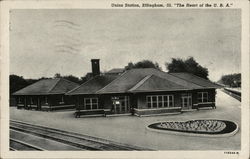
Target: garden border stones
<point>224,133</point>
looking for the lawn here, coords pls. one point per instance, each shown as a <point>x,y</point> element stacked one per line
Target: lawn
<point>132,130</point>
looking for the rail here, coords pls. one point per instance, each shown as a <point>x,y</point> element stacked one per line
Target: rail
<point>77,140</point>
<point>233,93</point>
<point>17,145</point>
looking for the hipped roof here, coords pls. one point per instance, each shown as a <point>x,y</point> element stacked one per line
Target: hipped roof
<point>93,85</point>
<point>48,86</point>
<point>142,80</point>
<point>195,79</point>
<point>130,78</point>
<point>155,83</point>
<point>131,81</point>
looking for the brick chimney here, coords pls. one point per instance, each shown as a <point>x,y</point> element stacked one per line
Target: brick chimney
<point>95,67</point>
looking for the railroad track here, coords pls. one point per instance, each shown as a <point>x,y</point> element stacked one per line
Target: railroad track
<point>83,142</point>
<point>232,93</point>
<point>17,145</point>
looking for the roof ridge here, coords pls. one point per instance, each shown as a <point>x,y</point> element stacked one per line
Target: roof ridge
<point>54,84</point>
<point>114,80</point>
<point>142,81</point>
<point>80,85</point>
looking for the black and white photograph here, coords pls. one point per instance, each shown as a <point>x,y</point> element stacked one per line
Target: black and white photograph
<point>132,80</point>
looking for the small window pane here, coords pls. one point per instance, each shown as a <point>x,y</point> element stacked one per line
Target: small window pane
<point>154,105</point>
<point>94,100</point>
<point>165,104</point>
<point>149,105</point>
<point>88,106</point>
<point>154,98</point>
<point>149,99</point>
<point>87,101</point>
<point>159,98</point>
<point>170,98</point>
<point>171,104</point>
<point>160,104</point>
<point>94,106</point>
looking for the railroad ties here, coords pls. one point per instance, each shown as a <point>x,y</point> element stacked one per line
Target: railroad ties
<point>79,141</point>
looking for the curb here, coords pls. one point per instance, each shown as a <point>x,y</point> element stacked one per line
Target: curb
<point>195,134</point>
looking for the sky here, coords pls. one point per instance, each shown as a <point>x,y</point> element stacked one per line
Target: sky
<point>44,42</point>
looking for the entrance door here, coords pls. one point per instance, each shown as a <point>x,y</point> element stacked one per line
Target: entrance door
<point>120,104</point>
<point>186,101</point>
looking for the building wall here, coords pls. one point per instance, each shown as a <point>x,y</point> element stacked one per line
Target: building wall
<point>39,101</point>
<point>211,95</point>
<point>142,97</point>
<point>56,100</point>
<point>79,101</point>
<point>104,101</point>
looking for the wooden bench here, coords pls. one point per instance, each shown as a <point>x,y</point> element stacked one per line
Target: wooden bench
<point>103,112</point>
<point>204,105</point>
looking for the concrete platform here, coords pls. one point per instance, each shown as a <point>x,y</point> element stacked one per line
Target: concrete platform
<point>132,130</point>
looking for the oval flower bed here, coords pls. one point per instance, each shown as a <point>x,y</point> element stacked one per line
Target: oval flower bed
<point>197,126</point>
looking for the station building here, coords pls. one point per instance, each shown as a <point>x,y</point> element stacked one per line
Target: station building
<point>46,94</point>
<point>142,92</point>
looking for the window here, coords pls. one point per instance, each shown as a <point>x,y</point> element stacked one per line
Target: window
<point>31,100</point>
<point>91,103</point>
<point>62,100</point>
<point>19,100</point>
<point>160,101</point>
<point>46,100</point>
<point>202,97</point>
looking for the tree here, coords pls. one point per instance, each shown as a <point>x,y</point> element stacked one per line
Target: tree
<point>231,80</point>
<point>16,83</point>
<point>87,77</point>
<point>72,79</point>
<point>143,64</point>
<point>189,65</point>
<point>57,75</point>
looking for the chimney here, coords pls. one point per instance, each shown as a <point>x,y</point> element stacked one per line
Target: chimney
<point>95,67</point>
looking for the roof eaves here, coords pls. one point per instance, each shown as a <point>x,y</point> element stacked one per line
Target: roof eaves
<point>31,94</point>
